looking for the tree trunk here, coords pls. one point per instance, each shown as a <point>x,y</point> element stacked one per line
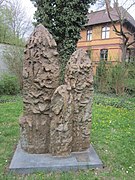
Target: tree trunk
<point>124,52</point>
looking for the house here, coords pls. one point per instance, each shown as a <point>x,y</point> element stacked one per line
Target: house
<point>100,40</point>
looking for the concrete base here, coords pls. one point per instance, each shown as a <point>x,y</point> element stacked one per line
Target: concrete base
<point>24,163</point>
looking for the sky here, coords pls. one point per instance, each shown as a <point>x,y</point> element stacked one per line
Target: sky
<point>125,3</point>
<point>30,9</point>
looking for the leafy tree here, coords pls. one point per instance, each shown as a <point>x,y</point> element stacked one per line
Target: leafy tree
<point>64,19</point>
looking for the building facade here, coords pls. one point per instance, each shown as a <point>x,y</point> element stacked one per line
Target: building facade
<point>101,41</point>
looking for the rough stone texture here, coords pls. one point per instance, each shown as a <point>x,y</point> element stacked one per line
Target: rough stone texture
<point>61,123</point>
<point>56,119</point>
<point>71,107</point>
<point>79,80</point>
<point>40,79</point>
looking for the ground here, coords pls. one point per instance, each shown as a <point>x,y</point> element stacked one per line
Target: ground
<point>112,135</point>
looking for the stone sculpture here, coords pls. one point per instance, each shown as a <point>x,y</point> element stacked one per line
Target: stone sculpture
<point>79,79</point>
<point>56,119</point>
<point>71,107</point>
<point>61,122</point>
<point>40,79</point>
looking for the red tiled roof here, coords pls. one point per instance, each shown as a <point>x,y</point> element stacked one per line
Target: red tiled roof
<point>100,17</point>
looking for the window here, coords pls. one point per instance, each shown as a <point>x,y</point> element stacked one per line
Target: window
<point>104,54</point>
<point>89,34</point>
<point>105,32</point>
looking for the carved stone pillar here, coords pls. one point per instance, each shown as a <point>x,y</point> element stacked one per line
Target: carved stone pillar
<point>79,79</point>
<point>40,79</point>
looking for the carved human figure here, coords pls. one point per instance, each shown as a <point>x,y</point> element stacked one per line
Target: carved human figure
<point>40,79</point>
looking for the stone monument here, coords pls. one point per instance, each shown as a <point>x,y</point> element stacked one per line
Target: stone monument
<point>56,121</point>
<point>71,107</point>
<point>40,79</point>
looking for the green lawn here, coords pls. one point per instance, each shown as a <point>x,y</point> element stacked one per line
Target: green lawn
<point>112,135</point>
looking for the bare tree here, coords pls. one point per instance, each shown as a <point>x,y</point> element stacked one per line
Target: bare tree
<point>18,20</point>
<point>13,57</point>
<point>19,24</point>
<point>1,1</point>
<point>123,17</point>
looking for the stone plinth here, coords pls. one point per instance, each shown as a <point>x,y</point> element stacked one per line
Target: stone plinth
<point>24,163</point>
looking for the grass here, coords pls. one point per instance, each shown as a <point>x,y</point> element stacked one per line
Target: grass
<point>112,135</point>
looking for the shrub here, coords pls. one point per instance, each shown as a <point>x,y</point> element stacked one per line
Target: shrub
<point>9,85</point>
<point>117,77</point>
<point>101,78</point>
<point>130,82</point>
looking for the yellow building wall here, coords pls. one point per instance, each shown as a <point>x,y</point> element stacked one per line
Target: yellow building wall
<point>96,32</point>
<point>83,35</point>
<point>113,54</point>
<point>113,44</point>
<point>112,32</point>
<point>97,43</point>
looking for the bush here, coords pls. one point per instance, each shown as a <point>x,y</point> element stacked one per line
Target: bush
<point>117,79</point>
<point>130,82</point>
<point>9,85</point>
<point>101,78</point>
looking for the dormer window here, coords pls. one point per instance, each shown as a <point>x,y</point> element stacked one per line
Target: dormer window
<point>89,34</point>
<point>105,32</point>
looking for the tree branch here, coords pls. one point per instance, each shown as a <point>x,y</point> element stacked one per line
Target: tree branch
<point>129,44</point>
<point>121,19</point>
<point>109,15</point>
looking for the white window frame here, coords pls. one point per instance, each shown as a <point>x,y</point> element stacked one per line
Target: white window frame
<point>89,34</point>
<point>105,32</point>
